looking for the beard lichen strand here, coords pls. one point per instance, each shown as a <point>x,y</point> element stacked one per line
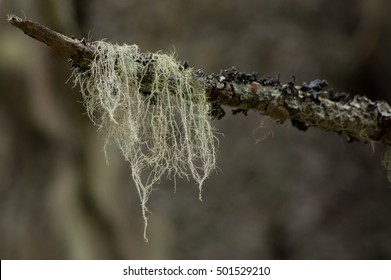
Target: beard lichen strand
<point>386,161</point>
<point>165,132</point>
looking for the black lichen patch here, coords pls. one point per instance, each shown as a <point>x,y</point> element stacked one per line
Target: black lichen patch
<point>339,96</point>
<point>289,88</point>
<point>232,75</point>
<point>299,125</point>
<point>315,85</point>
<point>216,111</point>
<point>238,111</point>
<point>271,82</point>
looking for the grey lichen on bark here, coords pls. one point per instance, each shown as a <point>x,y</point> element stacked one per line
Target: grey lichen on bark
<point>305,105</point>
<point>313,105</point>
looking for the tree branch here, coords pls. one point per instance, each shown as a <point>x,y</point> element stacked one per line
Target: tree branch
<point>306,105</point>
<point>73,47</point>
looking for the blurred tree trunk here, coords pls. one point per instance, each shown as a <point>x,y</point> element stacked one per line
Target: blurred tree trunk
<point>296,195</point>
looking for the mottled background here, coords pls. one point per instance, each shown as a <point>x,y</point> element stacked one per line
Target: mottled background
<point>296,195</point>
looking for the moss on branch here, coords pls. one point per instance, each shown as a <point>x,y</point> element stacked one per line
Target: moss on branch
<point>306,105</point>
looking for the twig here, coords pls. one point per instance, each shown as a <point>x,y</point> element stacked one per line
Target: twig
<point>73,47</point>
<point>306,105</point>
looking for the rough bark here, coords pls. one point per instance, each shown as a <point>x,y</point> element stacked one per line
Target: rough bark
<point>306,105</point>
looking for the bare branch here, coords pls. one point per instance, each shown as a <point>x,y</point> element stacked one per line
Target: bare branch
<point>306,105</point>
<point>73,47</point>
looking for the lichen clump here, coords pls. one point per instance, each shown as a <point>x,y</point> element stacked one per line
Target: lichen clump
<point>154,109</point>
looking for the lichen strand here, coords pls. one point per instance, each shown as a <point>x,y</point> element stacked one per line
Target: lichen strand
<point>154,110</point>
<point>386,162</point>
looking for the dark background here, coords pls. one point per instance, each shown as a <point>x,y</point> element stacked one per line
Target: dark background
<point>295,195</point>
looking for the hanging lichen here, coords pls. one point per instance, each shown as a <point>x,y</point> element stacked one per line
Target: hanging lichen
<point>154,109</point>
<point>386,162</point>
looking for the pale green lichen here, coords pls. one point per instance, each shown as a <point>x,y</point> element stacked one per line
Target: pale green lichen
<point>386,162</point>
<point>154,110</point>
